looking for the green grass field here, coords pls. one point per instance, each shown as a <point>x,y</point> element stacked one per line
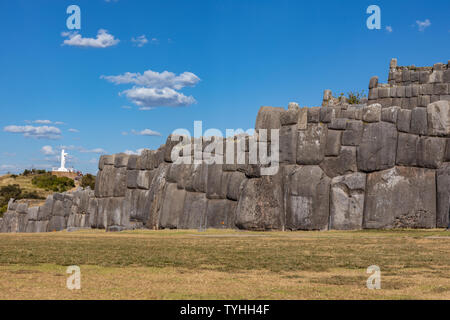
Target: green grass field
<point>221,264</point>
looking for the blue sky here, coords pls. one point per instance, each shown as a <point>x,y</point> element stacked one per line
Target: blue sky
<point>224,59</point>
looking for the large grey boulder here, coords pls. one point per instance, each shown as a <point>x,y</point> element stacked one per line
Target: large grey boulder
<point>269,118</point>
<point>172,207</point>
<point>443,195</point>
<point>288,144</point>
<point>353,133</point>
<point>221,214</point>
<point>407,149</point>
<point>439,118</point>
<point>344,163</point>
<point>307,198</point>
<point>347,201</point>
<point>260,204</point>
<point>311,144</point>
<point>235,182</point>
<point>194,213</point>
<point>400,197</point>
<point>378,147</point>
<point>430,152</point>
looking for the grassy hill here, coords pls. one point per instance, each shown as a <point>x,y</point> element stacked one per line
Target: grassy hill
<point>27,187</point>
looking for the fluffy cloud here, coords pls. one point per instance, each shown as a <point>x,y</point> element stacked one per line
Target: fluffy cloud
<point>140,41</point>
<point>137,152</point>
<point>152,97</point>
<point>146,132</point>
<point>154,89</point>
<point>423,24</point>
<point>103,40</point>
<point>40,132</point>
<point>47,150</point>
<point>152,79</point>
<point>95,150</point>
<point>73,130</point>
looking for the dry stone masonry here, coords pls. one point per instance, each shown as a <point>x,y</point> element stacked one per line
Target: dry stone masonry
<point>384,163</point>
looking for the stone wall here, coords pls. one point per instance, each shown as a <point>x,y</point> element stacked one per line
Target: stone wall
<point>410,87</point>
<point>341,166</point>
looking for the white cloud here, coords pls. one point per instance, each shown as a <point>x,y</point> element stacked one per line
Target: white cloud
<point>95,150</point>
<point>146,108</point>
<point>47,150</point>
<point>154,89</point>
<point>42,132</point>
<point>153,97</point>
<point>152,79</point>
<point>423,24</point>
<point>137,152</point>
<point>42,121</point>
<point>73,130</point>
<point>140,41</point>
<point>146,132</point>
<point>103,40</point>
<point>389,29</point>
<point>126,107</point>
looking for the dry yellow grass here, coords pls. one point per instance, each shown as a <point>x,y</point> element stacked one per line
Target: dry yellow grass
<point>226,265</point>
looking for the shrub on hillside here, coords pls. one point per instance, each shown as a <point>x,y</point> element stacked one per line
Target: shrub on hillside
<point>48,181</point>
<point>88,180</point>
<point>13,191</point>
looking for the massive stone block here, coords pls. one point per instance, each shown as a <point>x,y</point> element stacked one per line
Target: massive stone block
<point>234,188</point>
<point>344,163</point>
<point>400,197</point>
<point>45,210</point>
<point>288,144</point>
<point>347,201</point>
<point>221,214</point>
<point>311,144</point>
<point>172,207</point>
<point>269,118</point>
<point>260,204</point>
<point>57,223</point>
<point>353,133</point>
<point>378,147</point>
<point>306,198</point>
<point>333,144</point>
<point>430,152</point>
<point>217,181</point>
<point>194,213</point>
<point>443,196</point>
<point>407,149</point>
<point>120,182</point>
<point>439,118</point>
<point>419,121</point>
<point>372,113</point>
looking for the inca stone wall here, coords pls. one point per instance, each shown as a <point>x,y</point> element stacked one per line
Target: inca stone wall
<point>379,164</point>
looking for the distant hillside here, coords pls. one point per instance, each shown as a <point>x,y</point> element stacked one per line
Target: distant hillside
<point>26,186</point>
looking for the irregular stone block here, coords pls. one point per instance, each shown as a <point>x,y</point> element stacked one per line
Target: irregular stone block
<point>216,186</point>
<point>407,149</point>
<point>373,82</point>
<point>172,207</point>
<point>419,123</point>
<point>333,144</point>
<point>311,144</point>
<point>378,147</point>
<point>121,160</point>
<point>400,197</point>
<point>327,114</point>
<point>347,201</point>
<point>338,124</point>
<point>443,196</point>
<point>307,198</point>
<point>288,144</point>
<point>58,208</point>
<point>344,163</point>
<point>372,113</point>
<point>440,89</point>
<point>404,120</point>
<point>260,204</point>
<point>424,101</point>
<point>302,119</point>
<point>132,176</point>
<point>144,179</point>
<point>430,152</point>
<point>269,118</point>
<point>221,214</point>
<point>314,115</point>
<point>373,94</point>
<point>234,188</point>
<point>289,117</point>
<point>33,213</point>
<point>353,133</point>
<point>120,182</point>
<point>45,210</point>
<point>194,213</point>
<point>132,162</point>
<point>390,114</point>
<point>57,223</point>
<point>439,118</point>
